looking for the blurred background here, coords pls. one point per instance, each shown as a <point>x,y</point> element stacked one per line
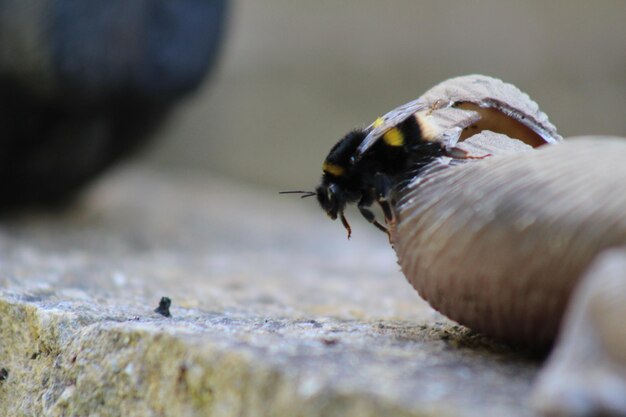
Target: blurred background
<point>295,76</point>
<point>260,90</point>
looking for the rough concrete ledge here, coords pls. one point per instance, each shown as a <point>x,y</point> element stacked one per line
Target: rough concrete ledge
<point>270,318</point>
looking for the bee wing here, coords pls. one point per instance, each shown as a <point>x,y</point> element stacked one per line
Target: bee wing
<point>386,122</point>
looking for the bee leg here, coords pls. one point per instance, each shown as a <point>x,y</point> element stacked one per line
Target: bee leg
<point>345,223</point>
<point>384,204</point>
<point>363,205</point>
<point>383,189</point>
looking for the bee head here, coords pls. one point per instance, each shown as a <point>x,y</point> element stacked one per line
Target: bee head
<point>330,197</point>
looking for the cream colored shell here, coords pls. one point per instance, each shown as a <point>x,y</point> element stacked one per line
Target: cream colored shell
<point>497,235</point>
<point>498,244</point>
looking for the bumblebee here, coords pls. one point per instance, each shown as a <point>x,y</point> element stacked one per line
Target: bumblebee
<point>366,164</point>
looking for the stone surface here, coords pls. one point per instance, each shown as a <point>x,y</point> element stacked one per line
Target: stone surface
<point>273,311</point>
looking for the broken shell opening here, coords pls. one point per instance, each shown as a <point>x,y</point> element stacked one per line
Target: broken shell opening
<point>462,107</point>
<point>495,120</point>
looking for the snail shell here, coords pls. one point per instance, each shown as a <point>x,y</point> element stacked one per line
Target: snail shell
<point>498,242</point>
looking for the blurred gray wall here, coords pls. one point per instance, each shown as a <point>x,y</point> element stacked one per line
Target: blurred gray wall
<point>296,76</point>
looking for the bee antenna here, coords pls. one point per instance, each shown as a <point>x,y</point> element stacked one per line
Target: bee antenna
<point>305,194</point>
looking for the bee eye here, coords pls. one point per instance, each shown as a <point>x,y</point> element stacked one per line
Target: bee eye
<point>332,190</point>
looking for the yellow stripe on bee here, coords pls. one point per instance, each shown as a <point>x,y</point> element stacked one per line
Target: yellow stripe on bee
<point>378,122</point>
<point>333,169</point>
<point>393,137</point>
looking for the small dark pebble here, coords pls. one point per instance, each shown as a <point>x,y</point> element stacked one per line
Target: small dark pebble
<point>164,307</point>
<point>4,374</point>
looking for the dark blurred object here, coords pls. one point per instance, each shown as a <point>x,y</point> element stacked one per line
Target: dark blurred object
<point>164,307</point>
<point>83,82</point>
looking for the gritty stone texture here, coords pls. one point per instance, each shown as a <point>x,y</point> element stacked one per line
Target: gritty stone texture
<point>274,313</point>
